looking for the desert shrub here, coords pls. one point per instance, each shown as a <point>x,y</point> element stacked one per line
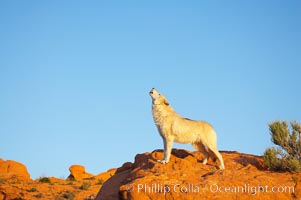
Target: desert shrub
<point>32,190</point>
<point>295,179</point>
<point>45,180</point>
<point>85,186</point>
<point>2,180</point>
<point>19,197</point>
<point>100,182</point>
<point>287,155</point>
<point>38,196</point>
<point>70,183</point>
<point>68,195</point>
<point>71,178</point>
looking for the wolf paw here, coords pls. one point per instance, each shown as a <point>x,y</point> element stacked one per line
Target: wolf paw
<point>221,167</point>
<point>162,161</point>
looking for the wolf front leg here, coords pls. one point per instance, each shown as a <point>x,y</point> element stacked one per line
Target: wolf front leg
<point>168,142</point>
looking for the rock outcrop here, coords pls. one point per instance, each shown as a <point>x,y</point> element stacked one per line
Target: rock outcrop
<point>105,175</point>
<point>78,172</point>
<point>185,177</point>
<point>13,170</point>
<point>81,186</point>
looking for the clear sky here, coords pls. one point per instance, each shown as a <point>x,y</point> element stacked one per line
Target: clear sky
<point>75,76</point>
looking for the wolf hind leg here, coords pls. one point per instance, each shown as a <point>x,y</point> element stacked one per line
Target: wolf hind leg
<point>218,155</point>
<point>201,148</point>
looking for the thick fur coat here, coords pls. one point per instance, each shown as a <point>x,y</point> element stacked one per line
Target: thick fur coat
<point>174,128</point>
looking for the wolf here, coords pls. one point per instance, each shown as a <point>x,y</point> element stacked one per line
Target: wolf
<point>174,128</point>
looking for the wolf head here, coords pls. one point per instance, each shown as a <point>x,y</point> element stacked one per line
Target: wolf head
<point>158,99</point>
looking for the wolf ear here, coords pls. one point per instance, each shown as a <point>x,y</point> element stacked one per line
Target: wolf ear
<point>165,101</point>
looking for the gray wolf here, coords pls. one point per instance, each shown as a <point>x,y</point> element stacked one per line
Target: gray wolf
<point>174,128</point>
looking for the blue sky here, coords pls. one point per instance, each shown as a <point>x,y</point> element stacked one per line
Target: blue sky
<point>75,76</point>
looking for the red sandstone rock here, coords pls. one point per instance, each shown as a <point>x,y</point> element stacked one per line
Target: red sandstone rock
<point>14,188</point>
<point>13,170</point>
<point>78,172</point>
<point>185,177</point>
<point>105,175</point>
